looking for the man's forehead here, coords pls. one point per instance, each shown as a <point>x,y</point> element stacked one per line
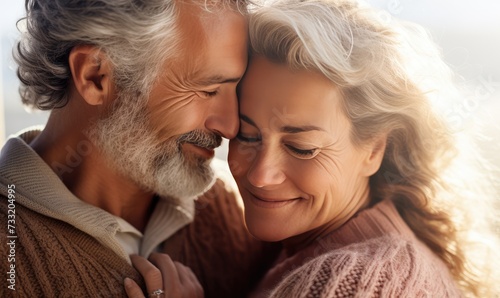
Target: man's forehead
<point>189,21</point>
<point>196,19</point>
<point>212,47</point>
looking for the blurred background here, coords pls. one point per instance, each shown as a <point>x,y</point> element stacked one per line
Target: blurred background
<point>467,31</point>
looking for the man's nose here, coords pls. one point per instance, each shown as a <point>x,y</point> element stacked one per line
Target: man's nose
<point>224,118</point>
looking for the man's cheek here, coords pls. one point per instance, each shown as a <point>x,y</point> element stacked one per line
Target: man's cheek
<point>179,119</point>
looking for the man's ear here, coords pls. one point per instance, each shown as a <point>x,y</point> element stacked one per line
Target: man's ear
<point>376,151</point>
<point>91,73</point>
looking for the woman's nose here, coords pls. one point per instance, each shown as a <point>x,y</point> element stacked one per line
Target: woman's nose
<point>266,170</point>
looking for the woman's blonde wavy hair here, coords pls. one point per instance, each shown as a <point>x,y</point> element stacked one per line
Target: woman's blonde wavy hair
<point>389,73</point>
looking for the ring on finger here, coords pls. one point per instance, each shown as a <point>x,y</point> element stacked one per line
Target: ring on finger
<point>156,293</point>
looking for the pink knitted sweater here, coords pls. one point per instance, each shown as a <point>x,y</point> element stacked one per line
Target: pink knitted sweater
<point>374,254</point>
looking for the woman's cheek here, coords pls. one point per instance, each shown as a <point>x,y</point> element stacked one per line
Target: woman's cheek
<point>239,157</point>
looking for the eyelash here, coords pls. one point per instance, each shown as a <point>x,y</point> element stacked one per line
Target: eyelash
<point>300,152</point>
<point>244,139</point>
<point>210,93</point>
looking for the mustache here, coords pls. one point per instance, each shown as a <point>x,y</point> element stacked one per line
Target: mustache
<point>201,139</point>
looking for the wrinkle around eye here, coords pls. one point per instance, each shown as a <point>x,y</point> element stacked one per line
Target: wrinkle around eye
<point>304,145</point>
<point>172,103</point>
<point>302,153</point>
<point>207,93</point>
<point>185,85</point>
<point>328,163</point>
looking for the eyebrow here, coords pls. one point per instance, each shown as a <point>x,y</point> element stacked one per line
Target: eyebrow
<point>297,129</point>
<point>218,79</point>
<point>247,120</point>
<point>285,129</point>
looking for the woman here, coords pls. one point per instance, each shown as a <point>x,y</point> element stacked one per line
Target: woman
<point>341,158</point>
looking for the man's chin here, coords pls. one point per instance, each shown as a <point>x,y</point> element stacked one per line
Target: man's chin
<point>192,177</point>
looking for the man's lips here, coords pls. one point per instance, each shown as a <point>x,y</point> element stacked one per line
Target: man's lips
<point>203,151</point>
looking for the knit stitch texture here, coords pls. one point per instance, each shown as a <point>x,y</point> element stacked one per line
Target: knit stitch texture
<point>375,254</point>
<point>53,259</point>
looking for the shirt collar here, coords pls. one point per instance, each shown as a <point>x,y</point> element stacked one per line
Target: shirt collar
<point>40,189</point>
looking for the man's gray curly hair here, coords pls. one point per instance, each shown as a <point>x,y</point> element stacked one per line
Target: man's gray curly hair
<point>136,35</point>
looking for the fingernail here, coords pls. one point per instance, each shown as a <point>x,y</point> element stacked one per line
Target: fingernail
<point>127,282</point>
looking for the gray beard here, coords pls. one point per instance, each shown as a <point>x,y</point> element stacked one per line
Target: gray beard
<point>132,149</point>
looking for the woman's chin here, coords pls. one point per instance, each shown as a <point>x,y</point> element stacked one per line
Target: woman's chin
<point>266,233</point>
<point>266,238</point>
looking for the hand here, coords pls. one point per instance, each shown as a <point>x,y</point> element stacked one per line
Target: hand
<point>160,272</point>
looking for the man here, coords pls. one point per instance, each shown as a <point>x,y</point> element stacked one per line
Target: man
<point>141,93</point>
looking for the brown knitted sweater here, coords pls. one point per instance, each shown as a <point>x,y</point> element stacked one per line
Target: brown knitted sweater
<point>53,259</point>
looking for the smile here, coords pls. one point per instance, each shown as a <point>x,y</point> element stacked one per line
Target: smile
<point>202,151</point>
<point>271,203</point>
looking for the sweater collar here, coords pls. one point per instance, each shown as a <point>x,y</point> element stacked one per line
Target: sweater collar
<point>40,189</point>
<point>380,220</point>
<point>377,221</point>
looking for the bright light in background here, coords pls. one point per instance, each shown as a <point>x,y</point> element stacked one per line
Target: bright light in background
<point>15,116</point>
<point>2,122</point>
<point>468,32</point>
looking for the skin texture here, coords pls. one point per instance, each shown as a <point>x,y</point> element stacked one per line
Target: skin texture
<point>299,174</point>
<point>197,91</point>
<point>211,48</point>
<point>160,272</point>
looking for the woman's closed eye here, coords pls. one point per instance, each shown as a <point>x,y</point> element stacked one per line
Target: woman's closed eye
<point>247,138</point>
<point>302,153</point>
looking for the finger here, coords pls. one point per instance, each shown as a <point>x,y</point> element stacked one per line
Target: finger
<point>152,275</point>
<point>189,280</point>
<point>171,281</point>
<point>132,288</point>
<point>183,273</point>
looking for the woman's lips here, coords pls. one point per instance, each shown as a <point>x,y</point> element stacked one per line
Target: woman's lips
<point>271,203</point>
